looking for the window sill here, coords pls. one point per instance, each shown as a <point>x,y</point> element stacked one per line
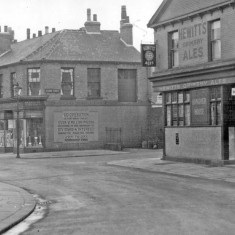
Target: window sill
<point>68,97</point>
<point>94,98</point>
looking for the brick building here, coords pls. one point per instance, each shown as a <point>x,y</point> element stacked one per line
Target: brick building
<point>196,76</point>
<point>82,89</point>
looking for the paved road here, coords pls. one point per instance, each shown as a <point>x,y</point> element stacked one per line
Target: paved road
<point>89,197</point>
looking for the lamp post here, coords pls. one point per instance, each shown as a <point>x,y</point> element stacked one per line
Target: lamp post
<point>17,89</point>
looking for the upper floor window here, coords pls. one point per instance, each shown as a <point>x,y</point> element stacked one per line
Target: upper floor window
<point>215,40</point>
<point>127,85</point>
<point>13,82</point>
<point>93,82</point>
<point>67,82</point>
<point>34,87</point>
<point>174,49</point>
<point>1,88</point>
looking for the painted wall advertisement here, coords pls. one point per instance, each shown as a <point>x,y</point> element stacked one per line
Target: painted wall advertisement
<point>75,126</point>
<point>200,106</point>
<point>193,43</point>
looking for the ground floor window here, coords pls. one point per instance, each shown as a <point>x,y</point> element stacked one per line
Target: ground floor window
<point>194,107</point>
<point>178,108</point>
<point>34,132</point>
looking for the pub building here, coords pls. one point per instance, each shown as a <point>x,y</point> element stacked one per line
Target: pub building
<point>195,73</point>
<point>81,89</point>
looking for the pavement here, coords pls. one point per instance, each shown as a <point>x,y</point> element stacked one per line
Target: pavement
<point>16,203</point>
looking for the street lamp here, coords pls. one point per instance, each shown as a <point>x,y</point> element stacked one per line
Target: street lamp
<point>17,89</point>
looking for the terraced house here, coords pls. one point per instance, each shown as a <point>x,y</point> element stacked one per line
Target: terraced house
<point>82,89</point>
<point>195,73</point>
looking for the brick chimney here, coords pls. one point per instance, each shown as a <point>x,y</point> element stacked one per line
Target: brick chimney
<point>125,27</point>
<point>92,26</point>
<point>6,39</point>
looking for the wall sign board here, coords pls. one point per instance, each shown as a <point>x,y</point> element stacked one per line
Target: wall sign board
<point>75,126</point>
<point>200,106</point>
<point>148,55</point>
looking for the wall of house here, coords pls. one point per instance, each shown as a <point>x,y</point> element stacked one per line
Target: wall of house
<point>227,18</point>
<point>194,142</point>
<point>123,120</point>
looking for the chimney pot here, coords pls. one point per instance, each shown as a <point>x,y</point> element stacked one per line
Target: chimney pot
<point>88,14</point>
<point>34,35</point>
<point>53,30</point>
<point>46,30</point>
<point>0,29</point>
<point>28,33</point>
<point>39,33</point>
<point>123,13</point>
<point>94,17</point>
<point>5,29</point>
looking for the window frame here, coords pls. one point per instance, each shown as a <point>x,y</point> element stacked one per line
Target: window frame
<point>35,80</point>
<point>90,82</point>
<point>12,83</point>
<point>1,86</point>
<point>215,100</point>
<point>213,41</point>
<point>175,108</point>
<point>173,45</point>
<point>71,70</point>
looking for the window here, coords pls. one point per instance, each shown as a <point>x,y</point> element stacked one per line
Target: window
<point>127,85</point>
<point>178,108</point>
<point>13,82</point>
<point>34,88</point>
<point>93,82</point>
<point>215,106</point>
<point>174,49</point>
<point>1,88</point>
<point>34,132</point>
<point>67,82</point>
<point>215,40</point>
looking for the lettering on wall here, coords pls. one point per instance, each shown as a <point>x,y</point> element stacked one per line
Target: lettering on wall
<point>200,106</point>
<point>75,126</point>
<point>193,42</point>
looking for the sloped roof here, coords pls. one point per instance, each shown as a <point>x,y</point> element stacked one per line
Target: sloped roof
<point>172,9</point>
<point>73,45</point>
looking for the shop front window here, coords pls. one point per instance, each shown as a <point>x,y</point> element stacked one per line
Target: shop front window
<point>34,133</point>
<point>178,108</point>
<point>215,106</point>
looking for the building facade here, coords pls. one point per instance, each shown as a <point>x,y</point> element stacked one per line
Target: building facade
<point>196,76</point>
<point>82,89</point>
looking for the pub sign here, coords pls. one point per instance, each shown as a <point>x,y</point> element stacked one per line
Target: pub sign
<point>148,55</point>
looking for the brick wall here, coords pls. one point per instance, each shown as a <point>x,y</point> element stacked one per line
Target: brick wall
<point>227,17</point>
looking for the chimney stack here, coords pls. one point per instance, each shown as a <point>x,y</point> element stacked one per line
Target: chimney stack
<point>28,33</point>
<point>53,30</point>
<point>125,27</point>
<point>92,26</point>
<point>34,35</point>
<point>46,30</point>
<point>6,39</point>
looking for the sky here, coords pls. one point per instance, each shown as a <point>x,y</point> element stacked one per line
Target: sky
<point>72,14</point>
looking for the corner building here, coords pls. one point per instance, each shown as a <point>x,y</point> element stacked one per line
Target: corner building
<point>196,75</point>
<point>82,89</point>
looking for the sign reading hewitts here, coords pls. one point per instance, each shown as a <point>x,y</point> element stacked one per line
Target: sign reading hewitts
<point>148,55</point>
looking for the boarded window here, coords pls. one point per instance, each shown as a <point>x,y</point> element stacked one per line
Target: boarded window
<point>93,82</point>
<point>127,85</point>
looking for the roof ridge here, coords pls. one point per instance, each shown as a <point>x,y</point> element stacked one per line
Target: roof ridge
<point>56,42</point>
<point>43,45</point>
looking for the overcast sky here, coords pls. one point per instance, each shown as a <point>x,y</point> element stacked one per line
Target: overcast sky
<point>71,14</point>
